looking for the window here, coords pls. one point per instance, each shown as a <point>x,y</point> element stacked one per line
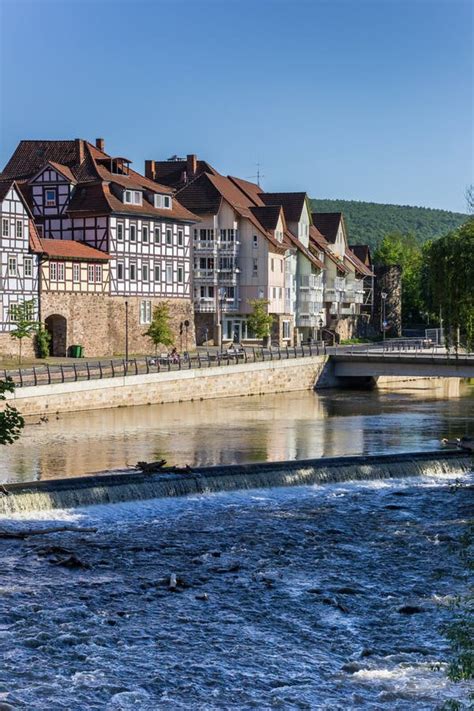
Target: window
<point>169,235</point>
<point>286,329</point>
<point>230,292</point>
<point>98,274</point>
<point>76,272</point>
<point>50,198</point>
<point>19,229</point>
<point>120,231</point>
<point>274,292</point>
<point>28,266</point>
<point>12,266</point>
<point>53,271</point>
<point>157,272</point>
<point>5,227</point>
<point>145,233</point>
<point>255,240</point>
<point>137,197</point>
<point>133,272</point>
<point>157,235</point>
<point>133,233</point>
<point>90,273</point>
<point>120,271</point>
<point>180,274</point>
<point>169,273</point>
<point>255,267</point>
<point>163,201</point>
<point>272,264</point>
<point>132,197</point>
<point>60,271</point>
<point>180,238</point>
<point>145,311</point>
<point>167,202</point>
<point>145,272</point>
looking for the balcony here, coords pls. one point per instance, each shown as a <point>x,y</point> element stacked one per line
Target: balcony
<point>332,296</point>
<point>339,283</point>
<point>310,281</point>
<point>208,305</point>
<point>205,246</point>
<point>307,321</point>
<point>228,249</point>
<point>207,276</point>
<point>228,277</point>
<point>309,306</point>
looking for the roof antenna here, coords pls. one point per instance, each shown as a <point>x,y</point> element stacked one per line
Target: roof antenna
<point>258,176</point>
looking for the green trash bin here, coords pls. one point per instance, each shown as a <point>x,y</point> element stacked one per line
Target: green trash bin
<point>75,351</point>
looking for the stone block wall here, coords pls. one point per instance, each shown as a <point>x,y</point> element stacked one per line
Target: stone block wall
<point>97,322</point>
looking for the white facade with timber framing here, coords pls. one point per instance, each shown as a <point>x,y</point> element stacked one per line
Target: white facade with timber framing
<point>18,263</point>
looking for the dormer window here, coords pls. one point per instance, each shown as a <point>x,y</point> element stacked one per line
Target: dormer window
<point>132,197</point>
<point>120,166</point>
<point>163,201</point>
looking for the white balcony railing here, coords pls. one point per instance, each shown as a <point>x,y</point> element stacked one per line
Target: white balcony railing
<point>205,245</point>
<point>205,275</point>
<point>307,321</point>
<point>208,305</point>
<point>339,283</point>
<point>310,281</point>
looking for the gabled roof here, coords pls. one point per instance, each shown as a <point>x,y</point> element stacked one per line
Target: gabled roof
<point>328,224</point>
<point>307,252</point>
<point>201,196</point>
<point>69,249</point>
<point>252,190</point>
<point>63,169</point>
<point>170,172</point>
<point>362,252</point>
<point>5,185</point>
<point>35,242</point>
<point>355,261</point>
<point>318,242</point>
<point>30,156</point>
<point>268,216</point>
<point>292,203</point>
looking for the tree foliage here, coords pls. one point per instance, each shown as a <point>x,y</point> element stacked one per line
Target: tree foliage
<point>43,340</point>
<point>25,325</point>
<point>159,330</point>
<point>259,320</point>
<point>11,422</point>
<point>368,222</point>
<point>448,276</point>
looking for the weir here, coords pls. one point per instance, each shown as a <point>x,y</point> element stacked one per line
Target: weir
<point>115,488</point>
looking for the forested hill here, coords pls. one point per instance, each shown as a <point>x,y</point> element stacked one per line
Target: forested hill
<point>368,222</point>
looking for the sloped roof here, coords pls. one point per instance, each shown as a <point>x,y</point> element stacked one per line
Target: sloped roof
<point>64,170</point>
<point>201,196</point>
<point>356,262</point>
<point>69,249</point>
<point>328,224</point>
<point>292,203</point>
<point>35,242</point>
<point>170,172</point>
<point>319,242</point>
<point>268,216</point>
<point>5,185</point>
<point>362,252</point>
<point>252,190</point>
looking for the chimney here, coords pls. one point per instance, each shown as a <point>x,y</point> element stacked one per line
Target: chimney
<point>80,150</point>
<point>191,165</point>
<point>100,144</point>
<point>150,169</point>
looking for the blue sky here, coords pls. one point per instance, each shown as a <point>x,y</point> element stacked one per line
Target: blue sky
<point>354,99</point>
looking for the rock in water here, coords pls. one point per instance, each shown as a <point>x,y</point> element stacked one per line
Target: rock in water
<point>173,581</point>
<point>410,610</point>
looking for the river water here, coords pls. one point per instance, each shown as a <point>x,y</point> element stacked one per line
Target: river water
<point>262,428</point>
<point>285,599</point>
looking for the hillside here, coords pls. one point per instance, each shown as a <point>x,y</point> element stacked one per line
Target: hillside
<point>368,222</point>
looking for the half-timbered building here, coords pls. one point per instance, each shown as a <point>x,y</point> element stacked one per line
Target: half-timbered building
<point>18,261</point>
<point>79,193</point>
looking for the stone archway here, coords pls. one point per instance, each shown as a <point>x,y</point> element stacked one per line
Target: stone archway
<point>56,325</point>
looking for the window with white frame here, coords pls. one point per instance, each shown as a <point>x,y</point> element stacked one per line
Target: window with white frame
<point>19,229</point>
<point>60,271</point>
<point>120,271</point>
<point>28,266</point>
<point>163,201</point>
<point>180,238</point>
<point>167,202</point>
<point>76,272</point>
<point>157,272</point>
<point>180,274</point>
<point>5,227</point>
<point>169,235</point>
<point>12,266</point>
<point>169,273</point>
<point>255,267</point>
<point>145,233</point>
<point>50,198</point>
<point>133,271</point>
<point>90,273</point>
<point>120,231</point>
<point>53,271</point>
<point>133,233</point>
<point>145,311</point>
<point>157,235</point>
<point>98,273</point>
<point>286,329</point>
<point>145,272</point>
<point>132,197</point>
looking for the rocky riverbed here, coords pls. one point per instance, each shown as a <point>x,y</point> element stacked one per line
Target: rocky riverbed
<point>304,598</point>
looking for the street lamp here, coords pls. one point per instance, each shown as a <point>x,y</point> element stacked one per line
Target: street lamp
<point>383,296</point>
<point>126,333</point>
<point>320,328</point>
<point>222,292</point>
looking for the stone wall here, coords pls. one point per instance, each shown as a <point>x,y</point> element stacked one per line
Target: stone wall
<point>225,381</point>
<point>9,347</point>
<point>97,322</point>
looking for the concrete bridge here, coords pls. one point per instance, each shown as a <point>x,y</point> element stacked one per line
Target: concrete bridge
<point>418,363</point>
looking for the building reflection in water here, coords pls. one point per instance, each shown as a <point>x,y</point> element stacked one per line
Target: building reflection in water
<point>263,428</point>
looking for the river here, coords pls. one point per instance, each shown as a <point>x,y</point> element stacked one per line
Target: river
<point>293,425</point>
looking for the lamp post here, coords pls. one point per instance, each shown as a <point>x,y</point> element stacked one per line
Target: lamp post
<point>222,292</point>
<point>320,329</point>
<point>126,333</point>
<point>383,296</point>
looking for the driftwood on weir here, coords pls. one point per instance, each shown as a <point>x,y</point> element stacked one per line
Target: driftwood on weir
<point>44,531</point>
<point>159,466</point>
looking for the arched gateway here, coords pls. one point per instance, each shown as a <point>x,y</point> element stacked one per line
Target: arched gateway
<point>56,325</point>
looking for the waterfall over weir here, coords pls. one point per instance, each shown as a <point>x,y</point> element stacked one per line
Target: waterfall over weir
<point>113,488</point>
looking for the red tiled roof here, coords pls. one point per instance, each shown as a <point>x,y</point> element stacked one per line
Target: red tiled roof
<point>252,190</point>
<point>201,196</point>
<point>355,261</point>
<point>35,242</point>
<point>321,244</point>
<point>267,216</point>
<point>69,249</point>
<point>67,172</point>
<point>328,224</point>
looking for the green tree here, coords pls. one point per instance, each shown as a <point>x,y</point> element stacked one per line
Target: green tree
<point>25,325</point>
<point>404,250</point>
<point>11,422</point>
<point>43,340</point>
<point>448,271</point>
<point>159,330</point>
<point>259,320</point>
